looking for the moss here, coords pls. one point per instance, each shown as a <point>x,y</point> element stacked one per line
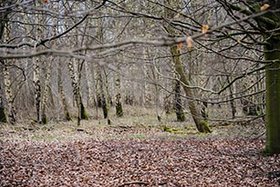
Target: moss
<point>203,127</point>
<point>137,136</point>
<point>172,130</point>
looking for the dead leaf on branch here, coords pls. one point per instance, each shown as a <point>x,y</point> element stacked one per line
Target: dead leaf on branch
<point>264,7</point>
<point>204,29</point>
<point>180,45</point>
<point>189,41</point>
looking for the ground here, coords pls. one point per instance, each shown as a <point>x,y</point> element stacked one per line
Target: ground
<point>135,151</point>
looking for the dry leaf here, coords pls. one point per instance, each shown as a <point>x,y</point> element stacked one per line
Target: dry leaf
<point>189,42</point>
<point>180,45</point>
<point>188,161</point>
<point>177,15</point>
<point>238,40</point>
<point>204,29</point>
<point>265,7</point>
<point>151,162</point>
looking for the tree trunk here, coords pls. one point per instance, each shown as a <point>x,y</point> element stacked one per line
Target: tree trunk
<point>45,93</point>
<point>94,88</point>
<point>3,117</point>
<point>101,98</point>
<point>119,109</point>
<point>201,124</point>
<point>3,21</point>
<point>62,94</point>
<point>272,53</point>
<point>231,97</point>
<point>37,85</point>
<point>178,102</point>
<point>77,95</point>
<point>154,70</point>
<point>90,100</point>
<point>9,97</point>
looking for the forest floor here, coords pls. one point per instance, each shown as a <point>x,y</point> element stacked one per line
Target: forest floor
<point>134,151</point>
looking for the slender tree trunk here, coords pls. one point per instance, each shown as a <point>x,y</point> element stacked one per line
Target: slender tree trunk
<point>46,93</point>
<point>201,124</point>
<point>3,22</point>
<point>3,117</point>
<point>157,90</point>
<point>37,85</point>
<point>77,95</point>
<point>101,97</point>
<point>231,102</point>
<point>144,87</point>
<point>62,94</point>
<point>119,109</point>
<point>94,90</point>
<point>107,90</point>
<point>272,72</point>
<point>99,88</point>
<point>178,102</point>
<point>90,100</point>
<point>9,97</point>
<point>75,90</point>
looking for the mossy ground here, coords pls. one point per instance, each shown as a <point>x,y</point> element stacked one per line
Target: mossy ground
<point>138,123</point>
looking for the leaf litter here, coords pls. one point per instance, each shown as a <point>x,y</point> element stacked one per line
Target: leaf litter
<point>143,162</point>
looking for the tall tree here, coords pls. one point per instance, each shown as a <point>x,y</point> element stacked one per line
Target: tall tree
<point>3,22</point>
<point>61,92</point>
<point>179,109</point>
<point>200,123</point>
<point>77,92</point>
<point>9,97</point>
<point>266,15</point>
<point>45,93</point>
<point>119,108</point>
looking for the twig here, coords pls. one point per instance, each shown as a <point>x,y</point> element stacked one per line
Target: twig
<point>133,182</point>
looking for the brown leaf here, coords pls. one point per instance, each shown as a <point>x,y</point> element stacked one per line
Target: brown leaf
<point>180,45</point>
<point>189,42</point>
<point>264,7</point>
<point>204,29</point>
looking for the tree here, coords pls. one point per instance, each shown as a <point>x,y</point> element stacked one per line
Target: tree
<point>119,108</point>
<point>179,109</point>
<point>61,92</point>
<point>200,123</point>
<point>231,43</point>
<point>266,15</point>
<point>3,21</point>
<point>82,114</point>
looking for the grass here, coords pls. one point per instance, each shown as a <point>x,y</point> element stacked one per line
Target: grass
<point>139,123</point>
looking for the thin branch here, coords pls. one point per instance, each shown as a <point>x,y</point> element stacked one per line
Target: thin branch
<point>133,182</point>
